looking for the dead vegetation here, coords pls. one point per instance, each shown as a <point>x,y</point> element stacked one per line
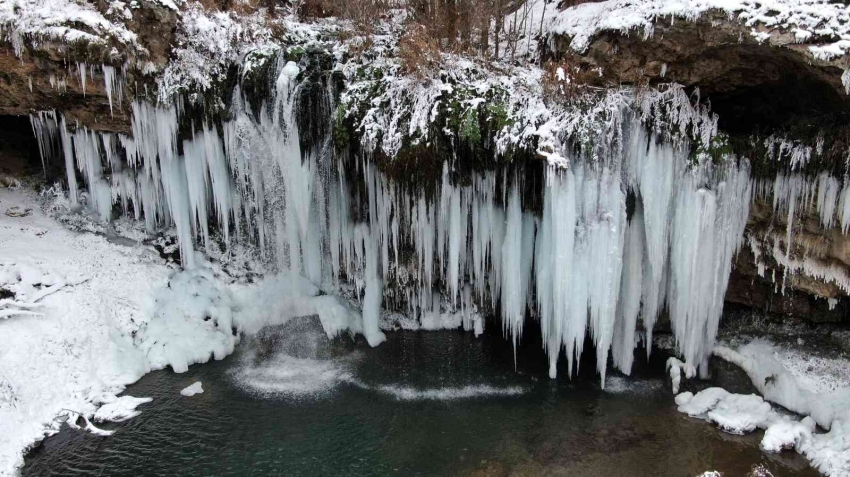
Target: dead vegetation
<point>419,53</point>
<point>489,29</point>
<point>563,81</point>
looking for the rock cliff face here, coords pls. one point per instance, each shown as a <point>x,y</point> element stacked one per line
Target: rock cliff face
<point>807,280</point>
<point>41,74</point>
<point>757,86</point>
<point>773,87</point>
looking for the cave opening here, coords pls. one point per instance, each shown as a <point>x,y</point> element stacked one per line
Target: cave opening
<point>19,154</point>
<point>795,102</point>
<point>759,92</point>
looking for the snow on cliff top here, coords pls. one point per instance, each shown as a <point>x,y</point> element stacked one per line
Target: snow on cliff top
<point>812,21</point>
<point>66,21</point>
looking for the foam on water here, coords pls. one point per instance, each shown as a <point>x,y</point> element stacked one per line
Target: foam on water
<point>291,377</point>
<point>626,385</point>
<point>405,393</point>
<point>299,378</point>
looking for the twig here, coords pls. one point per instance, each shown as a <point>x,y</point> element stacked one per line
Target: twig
<point>12,312</point>
<point>47,291</point>
<point>19,304</point>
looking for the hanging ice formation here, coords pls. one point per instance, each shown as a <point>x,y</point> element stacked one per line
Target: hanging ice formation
<point>793,196</point>
<point>582,265</point>
<point>45,127</point>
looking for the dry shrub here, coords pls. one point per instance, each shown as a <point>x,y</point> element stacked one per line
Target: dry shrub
<point>358,42</point>
<point>244,7</point>
<point>572,3</point>
<point>419,52</point>
<point>563,81</point>
<point>314,9</point>
<point>360,12</point>
<point>208,5</point>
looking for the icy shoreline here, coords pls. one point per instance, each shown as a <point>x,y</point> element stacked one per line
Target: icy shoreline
<point>78,355</point>
<point>811,386</point>
<point>113,314</point>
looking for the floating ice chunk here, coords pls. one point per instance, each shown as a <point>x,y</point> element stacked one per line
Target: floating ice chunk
<point>194,388</point>
<point>121,409</point>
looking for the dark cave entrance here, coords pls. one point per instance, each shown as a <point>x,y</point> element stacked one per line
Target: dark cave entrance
<point>760,91</point>
<point>19,154</point>
<point>794,102</point>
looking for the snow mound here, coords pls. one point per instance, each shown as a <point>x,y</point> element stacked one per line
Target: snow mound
<point>198,317</point>
<point>740,414</point>
<point>701,403</point>
<point>191,322</point>
<point>191,390</point>
<point>788,435</point>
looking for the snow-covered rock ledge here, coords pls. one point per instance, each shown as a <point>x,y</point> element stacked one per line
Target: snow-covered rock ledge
<point>821,26</point>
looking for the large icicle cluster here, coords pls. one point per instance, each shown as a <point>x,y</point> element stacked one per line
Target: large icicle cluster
<point>587,263</point>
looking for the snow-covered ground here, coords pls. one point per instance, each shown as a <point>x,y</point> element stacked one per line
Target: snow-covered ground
<point>78,353</point>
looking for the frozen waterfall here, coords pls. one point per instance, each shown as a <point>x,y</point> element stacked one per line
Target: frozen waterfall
<point>618,239</point>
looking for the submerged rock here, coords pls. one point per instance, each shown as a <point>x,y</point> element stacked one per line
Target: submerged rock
<point>301,337</point>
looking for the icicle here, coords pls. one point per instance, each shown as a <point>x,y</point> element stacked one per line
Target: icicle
<point>372,299</point>
<point>513,293</point>
<point>70,171</point>
<point>81,68</point>
<point>109,83</point>
<point>581,264</point>
<point>630,294</point>
<point>45,127</point>
<point>654,170</point>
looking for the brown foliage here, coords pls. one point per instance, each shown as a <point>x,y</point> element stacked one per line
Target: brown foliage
<point>419,52</point>
<point>360,12</point>
<point>462,26</point>
<point>244,7</point>
<point>208,5</point>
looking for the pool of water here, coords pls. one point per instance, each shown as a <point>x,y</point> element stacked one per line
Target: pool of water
<point>422,403</point>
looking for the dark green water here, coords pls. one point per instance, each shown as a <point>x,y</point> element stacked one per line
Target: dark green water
<point>430,403</point>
